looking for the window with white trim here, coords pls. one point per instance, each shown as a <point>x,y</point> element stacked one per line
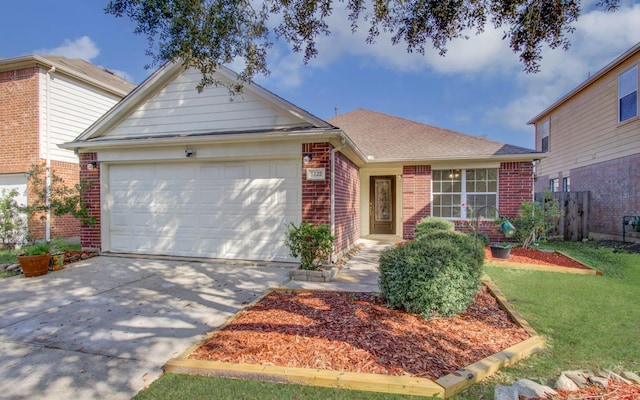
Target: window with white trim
<point>566,184</point>
<point>458,192</point>
<point>554,184</point>
<point>628,94</point>
<point>543,132</point>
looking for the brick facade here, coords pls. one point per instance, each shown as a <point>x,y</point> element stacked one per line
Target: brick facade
<point>64,226</point>
<point>515,186</point>
<point>19,120</point>
<point>347,203</point>
<point>316,195</point>
<point>615,192</point>
<point>90,236</point>
<point>416,197</point>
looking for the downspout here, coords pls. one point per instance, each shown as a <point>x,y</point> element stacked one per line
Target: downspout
<point>47,226</point>
<point>333,183</point>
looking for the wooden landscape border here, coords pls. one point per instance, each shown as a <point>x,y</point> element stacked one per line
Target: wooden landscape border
<point>443,387</point>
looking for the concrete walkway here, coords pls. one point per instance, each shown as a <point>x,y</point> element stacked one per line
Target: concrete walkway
<point>103,328</point>
<point>360,274</point>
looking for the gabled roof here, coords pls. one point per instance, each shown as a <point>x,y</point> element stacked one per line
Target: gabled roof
<point>386,138</point>
<point>164,76</point>
<point>613,64</point>
<point>76,68</point>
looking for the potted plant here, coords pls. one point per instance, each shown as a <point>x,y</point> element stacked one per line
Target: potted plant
<point>59,248</point>
<point>34,259</point>
<point>500,250</point>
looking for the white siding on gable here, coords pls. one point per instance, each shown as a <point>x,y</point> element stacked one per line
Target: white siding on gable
<point>179,109</point>
<point>66,111</point>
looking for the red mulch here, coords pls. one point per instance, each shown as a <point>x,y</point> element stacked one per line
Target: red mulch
<point>537,257</point>
<point>615,391</point>
<point>355,332</point>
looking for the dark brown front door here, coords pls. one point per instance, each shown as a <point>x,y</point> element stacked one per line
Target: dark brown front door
<point>382,205</point>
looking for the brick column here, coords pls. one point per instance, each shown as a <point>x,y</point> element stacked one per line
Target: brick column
<point>416,197</point>
<point>90,236</point>
<point>316,195</point>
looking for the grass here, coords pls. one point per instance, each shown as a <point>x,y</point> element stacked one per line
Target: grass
<point>589,321</point>
<point>8,257</point>
<point>174,386</point>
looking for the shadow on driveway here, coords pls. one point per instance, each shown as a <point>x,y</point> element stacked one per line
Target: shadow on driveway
<point>104,327</point>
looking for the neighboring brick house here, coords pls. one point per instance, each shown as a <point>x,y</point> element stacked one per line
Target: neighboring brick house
<point>46,101</point>
<point>186,173</point>
<point>592,139</point>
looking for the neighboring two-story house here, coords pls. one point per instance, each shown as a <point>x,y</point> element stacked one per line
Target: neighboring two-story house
<point>45,101</point>
<point>592,136</point>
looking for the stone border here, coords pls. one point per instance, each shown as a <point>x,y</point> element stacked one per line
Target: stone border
<point>324,275</point>
<point>443,387</point>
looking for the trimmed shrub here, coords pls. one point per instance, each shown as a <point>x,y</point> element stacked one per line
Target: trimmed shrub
<point>436,276</point>
<point>431,224</point>
<point>313,244</point>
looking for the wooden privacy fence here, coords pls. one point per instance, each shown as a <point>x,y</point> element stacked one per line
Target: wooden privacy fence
<point>574,206</point>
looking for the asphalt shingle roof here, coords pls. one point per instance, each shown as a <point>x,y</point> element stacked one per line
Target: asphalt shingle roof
<point>386,137</point>
<point>86,68</point>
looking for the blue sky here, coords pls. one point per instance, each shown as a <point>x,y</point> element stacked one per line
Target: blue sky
<point>478,88</point>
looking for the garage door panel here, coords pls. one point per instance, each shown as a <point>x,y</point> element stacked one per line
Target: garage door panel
<point>222,210</point>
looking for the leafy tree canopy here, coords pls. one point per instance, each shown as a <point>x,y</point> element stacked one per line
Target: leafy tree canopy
<point>208,33</point>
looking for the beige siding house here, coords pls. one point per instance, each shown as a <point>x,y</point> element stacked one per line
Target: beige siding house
<point>592,136</point>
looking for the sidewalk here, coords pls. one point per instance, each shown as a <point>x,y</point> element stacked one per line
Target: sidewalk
<point>360,273</point>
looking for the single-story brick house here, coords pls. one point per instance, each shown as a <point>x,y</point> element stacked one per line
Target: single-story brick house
<point>182,173</point>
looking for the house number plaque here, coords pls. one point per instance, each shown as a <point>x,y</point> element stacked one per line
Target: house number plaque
<point>315,174</point>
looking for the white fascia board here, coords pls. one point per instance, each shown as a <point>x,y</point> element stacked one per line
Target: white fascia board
<point>449,159</point>
<point>306,136</point>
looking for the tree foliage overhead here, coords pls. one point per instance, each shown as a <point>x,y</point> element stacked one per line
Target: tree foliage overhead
<point>208,33</point>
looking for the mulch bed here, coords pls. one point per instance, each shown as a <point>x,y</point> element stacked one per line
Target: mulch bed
<point>355,332</point>
<point>615,391</point>
<point>537,257</point>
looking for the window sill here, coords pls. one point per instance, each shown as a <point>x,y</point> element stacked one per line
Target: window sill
<point>628,121</point>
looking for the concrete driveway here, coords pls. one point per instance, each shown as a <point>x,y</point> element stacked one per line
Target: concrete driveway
<point>103,328</point>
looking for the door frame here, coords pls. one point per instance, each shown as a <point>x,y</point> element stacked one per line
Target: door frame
<point>391,229</point>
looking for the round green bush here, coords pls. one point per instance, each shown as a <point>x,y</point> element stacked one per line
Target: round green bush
<point>431,224</point>
<point>436,276</point>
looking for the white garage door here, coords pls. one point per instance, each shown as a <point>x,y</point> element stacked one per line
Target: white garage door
<point>9,182</point>
<point>219,210</point>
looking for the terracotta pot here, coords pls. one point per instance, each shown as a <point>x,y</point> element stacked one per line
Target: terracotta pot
<point>500,252</point>
<point>35,265</point>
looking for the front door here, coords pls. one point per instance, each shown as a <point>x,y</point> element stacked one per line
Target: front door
<point>382,205</point>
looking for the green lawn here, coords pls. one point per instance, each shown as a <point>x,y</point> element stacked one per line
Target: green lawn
<point>7,257</point>
<point>589,322</point>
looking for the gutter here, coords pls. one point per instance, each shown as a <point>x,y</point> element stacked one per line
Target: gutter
<point>47,224</point>
<point>205,138</point>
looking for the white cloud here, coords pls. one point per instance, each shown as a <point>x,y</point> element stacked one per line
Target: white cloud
<point>598,39</point>
<point>82,47</point>
<point>484,53</point>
